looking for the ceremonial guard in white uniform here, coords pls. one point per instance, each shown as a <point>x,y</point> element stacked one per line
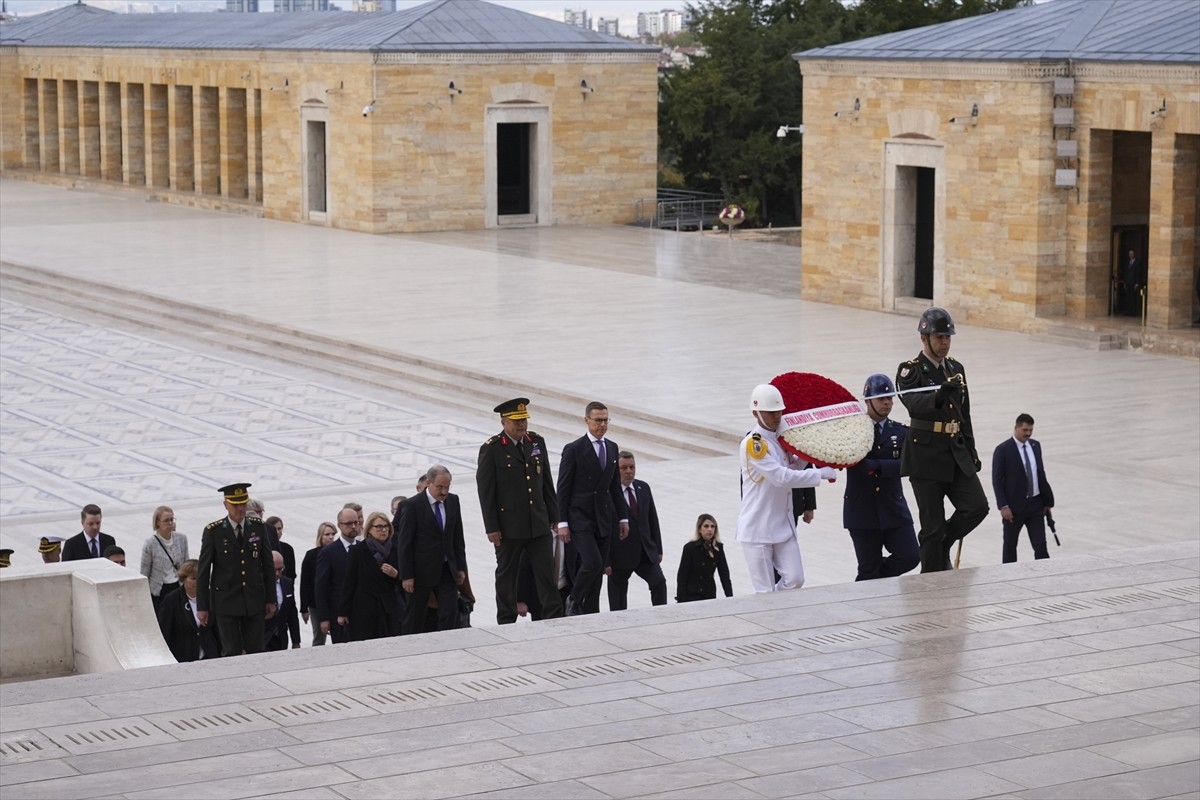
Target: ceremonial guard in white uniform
<point>767,524</point>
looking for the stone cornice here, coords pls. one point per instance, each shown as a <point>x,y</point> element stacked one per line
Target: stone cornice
<point>518,58</point>
<point>1006,70</point>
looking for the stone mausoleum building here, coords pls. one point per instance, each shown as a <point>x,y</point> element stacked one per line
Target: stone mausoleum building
<point>1004,165</point>
<point>456,114</point>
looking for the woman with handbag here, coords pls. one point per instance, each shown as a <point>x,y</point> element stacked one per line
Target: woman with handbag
<point>162,555</point>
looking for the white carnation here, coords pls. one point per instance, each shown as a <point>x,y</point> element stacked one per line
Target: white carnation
<point>841,442</point>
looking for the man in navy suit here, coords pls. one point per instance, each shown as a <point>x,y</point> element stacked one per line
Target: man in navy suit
<point>285,620</point>
<point>641,551</point>
<point>89,542</point>
<point>874,509</point>
<point>331,574</point>
<point>1023,494</point>
<point>433,552</point>
<point>591,508</point>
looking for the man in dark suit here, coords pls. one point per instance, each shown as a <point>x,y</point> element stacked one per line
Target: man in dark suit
<point>874,509</point>
<point>331,574</point>
<point>89,542</point>
<point>1023,494</point>
<point>236,573</point>
<point>939,455</point>
<point>433,552</point>
<point>286,619</point>
<point>641,550</point>
<point>520,509</point>
<point>592,510</point>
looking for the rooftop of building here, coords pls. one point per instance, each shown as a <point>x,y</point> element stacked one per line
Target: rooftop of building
<point>440,26</point>
<point>1136,31</point>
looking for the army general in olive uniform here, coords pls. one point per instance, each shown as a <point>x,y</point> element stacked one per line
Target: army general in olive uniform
<point>236,580</point>
<point>520,509</point>
<point>939,455</point>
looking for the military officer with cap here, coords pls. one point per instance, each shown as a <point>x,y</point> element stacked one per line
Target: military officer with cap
<point>874,509</point>
<point>51,549</point>
<point>236,579</point>
<point>939,456</point>
<point>520,509</point>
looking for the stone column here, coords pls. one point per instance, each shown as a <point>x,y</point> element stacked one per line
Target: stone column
<point>1171,258</point>
<point>89,128</point>
<point>134,141</point>
<point>158,137</point>
<point>112,150</point>
<point>68,125</point>
<point>234,182</point>
<point>51,149</point>
<point>183,148</point>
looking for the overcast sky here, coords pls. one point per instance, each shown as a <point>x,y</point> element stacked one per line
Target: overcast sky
<point>625,10</point>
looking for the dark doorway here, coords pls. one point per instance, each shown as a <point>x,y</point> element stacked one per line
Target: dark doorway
<point>315,167</point>
<point>1130,221</point>
<point>513,140</point>
<point>1128,269</point>
<point>923,239</point>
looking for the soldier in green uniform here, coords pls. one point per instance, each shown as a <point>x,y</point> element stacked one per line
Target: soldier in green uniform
<point>520,509</point>
<point>236,580</point>
<point>939,455</point>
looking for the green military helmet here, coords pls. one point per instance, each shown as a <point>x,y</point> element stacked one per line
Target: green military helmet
<point>935,320</point>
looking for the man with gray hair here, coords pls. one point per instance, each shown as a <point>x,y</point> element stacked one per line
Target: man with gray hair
<point>433,552</point>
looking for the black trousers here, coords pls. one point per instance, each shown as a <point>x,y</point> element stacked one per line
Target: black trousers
<point>939,534</point>
<point>1033,520</point>
<point>591,553</point>
<point>539,551</point>
<point>647,570</point>
<point>416,613</point>
<point>869,544</point>
<point>241,634</point>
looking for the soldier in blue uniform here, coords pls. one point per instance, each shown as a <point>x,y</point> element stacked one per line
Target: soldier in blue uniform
<point>939,456</point>
<point>874,510</point>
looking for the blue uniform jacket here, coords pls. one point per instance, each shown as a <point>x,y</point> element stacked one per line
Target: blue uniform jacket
<point>874,497</point>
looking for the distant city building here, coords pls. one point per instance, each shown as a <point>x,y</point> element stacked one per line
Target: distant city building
<point>610,27</point>
<point>301,5</point>
<point>375,5</point>
<point>649,23</point>
<point>657,23</point>
<point>242,6</point>
<point>672,22</point>
<point>577,17</point>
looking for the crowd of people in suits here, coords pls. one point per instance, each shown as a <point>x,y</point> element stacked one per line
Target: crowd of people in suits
<point>557,541</point>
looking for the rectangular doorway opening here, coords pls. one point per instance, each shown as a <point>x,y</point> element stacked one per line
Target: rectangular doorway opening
<point>315,169</point>
<point>514,169</point>
<point>923,235</point>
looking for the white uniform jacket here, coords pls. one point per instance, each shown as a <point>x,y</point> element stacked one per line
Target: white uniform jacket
<point>769,473</point>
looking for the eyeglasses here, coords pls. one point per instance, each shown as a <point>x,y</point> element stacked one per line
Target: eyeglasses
<point>353,524</point>
<point>604,421</point>
<point>380,527</point>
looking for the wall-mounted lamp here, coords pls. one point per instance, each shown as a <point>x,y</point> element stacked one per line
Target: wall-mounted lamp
<point>1160,112</point>
<point>852,113</point>
<point>454,89</point>
<point>285,88</point>
<point>247,76</point>
<point>971,119</point>
<point>341,85</point>
<point>584,88</point>
<point>369,109</point>
<point>784,129</point>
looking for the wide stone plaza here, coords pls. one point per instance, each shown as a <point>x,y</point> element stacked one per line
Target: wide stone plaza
<point>150,353</point>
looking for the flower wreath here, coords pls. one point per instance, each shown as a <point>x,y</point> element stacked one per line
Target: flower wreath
<point>822,422</point>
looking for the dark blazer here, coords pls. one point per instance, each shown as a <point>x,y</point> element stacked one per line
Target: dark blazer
<point>76,548</point>
<point>589,494</point>
<point>234,578</point>
<point>695,578</point>
<point>927,454</point>
<point>516,492</point>
<point>423,548</point>
<point>874,498</point>
<point>369,598</point>
<point>804,500</point>
<point>308,581</point>
<point>331,574</point>
<point>289,558</point>
<point>645,537</point>
<point>285,621</point>
<point>182,634</point>
<point>1009,481</point>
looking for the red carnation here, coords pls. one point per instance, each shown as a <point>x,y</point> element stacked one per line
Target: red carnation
<point>823,423</point>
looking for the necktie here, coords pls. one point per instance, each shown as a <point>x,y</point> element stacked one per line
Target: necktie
<point>239,533</point>
<point>521,450</point>
<point>1028,471</point>
<point>878,433</point>
<point>437,512</point>
<point>600,451</point>
<point>633,507</point>
<point>96,547</point>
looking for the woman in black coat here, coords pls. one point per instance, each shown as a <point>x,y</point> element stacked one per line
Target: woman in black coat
<point>371,603</point>
<point>178,622</point>
<point>701,557</point>
<point>326,533</point>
